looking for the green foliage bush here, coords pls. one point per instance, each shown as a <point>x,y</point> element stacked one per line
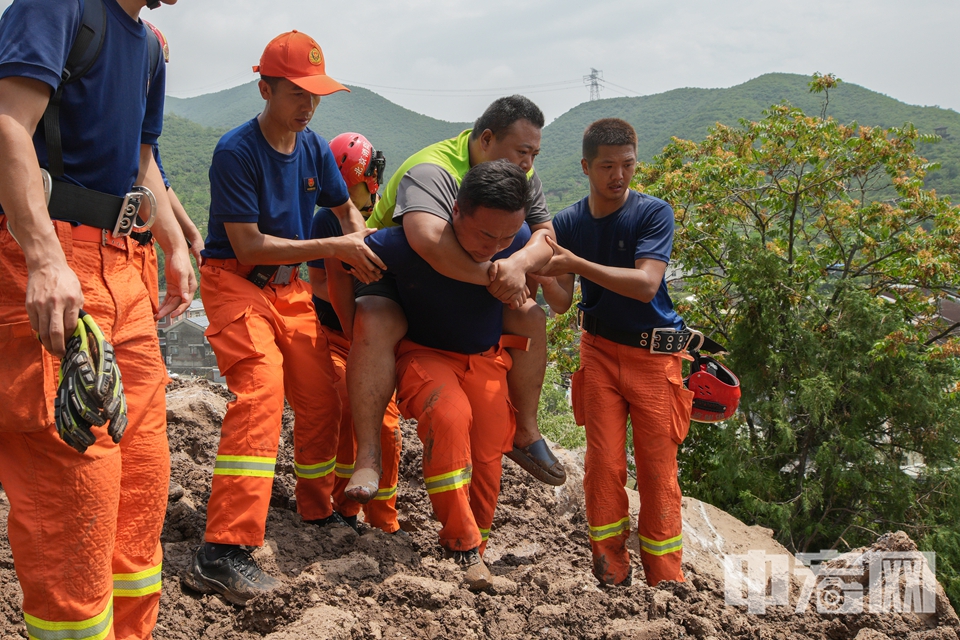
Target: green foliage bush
<point>813,251</point>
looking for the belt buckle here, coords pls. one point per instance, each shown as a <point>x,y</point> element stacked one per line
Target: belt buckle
<point>127,219</point>
<point>671,346</point>
<point>283,275</point>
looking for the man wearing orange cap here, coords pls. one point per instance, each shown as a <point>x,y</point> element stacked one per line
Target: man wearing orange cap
<point>266,178</point>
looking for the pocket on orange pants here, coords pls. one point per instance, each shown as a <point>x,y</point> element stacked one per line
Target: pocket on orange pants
<point>680,418</point>
<point>231,340</point>
<point>411,380</point>
<point>576,397</point>
<point>30,383</point>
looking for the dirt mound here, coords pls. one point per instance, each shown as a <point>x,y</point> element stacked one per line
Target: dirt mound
<point>338,585</point>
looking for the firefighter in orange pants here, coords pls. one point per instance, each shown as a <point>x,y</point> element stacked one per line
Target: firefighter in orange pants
<point>619,242</point>
<point>266,178</point>
<point>84,528</point>
<point>362,169</point>
<point>452,367</point>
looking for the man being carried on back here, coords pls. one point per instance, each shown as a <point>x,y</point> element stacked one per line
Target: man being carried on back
<point>452,366</point>
<point>421,194</point>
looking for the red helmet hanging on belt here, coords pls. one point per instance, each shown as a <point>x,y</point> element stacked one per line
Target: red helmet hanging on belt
<point>358,161</point>
<point>716,391</point>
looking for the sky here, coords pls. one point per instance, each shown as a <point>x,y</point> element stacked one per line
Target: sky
<point>450,58</point>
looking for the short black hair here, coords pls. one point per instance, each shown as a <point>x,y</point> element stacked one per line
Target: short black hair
<point>273,81</point>
<point>499,184</point>
<point>612,132</point>
<point>503,112</point>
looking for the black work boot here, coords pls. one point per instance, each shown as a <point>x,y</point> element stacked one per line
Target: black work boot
<point>475,572</point>
<point>333,520</point>
<point>229,570</point>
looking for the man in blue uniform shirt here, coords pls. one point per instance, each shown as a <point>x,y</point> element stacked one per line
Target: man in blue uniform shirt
<point>84,528</point>
<point>619,241</point>
<point>267,177</point>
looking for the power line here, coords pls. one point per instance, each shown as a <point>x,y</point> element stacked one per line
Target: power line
<point>433,91</point>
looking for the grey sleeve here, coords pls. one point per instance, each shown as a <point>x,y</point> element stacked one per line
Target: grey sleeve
<point>426,187</point>
<point>538,211</point>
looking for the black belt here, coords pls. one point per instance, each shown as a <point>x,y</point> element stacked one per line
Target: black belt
<point>326,315</point>
<point>96,209</point>
<point>276,273</point>
<point>656,340</point>
<point>86,206</point>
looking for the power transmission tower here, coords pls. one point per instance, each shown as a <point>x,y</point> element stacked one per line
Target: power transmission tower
<point>593,81</point>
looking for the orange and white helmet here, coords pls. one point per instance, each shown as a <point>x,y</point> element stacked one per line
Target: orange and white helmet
<point>358,161</point>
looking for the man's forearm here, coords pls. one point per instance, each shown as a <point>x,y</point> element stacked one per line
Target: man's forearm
<point>535,254</point>
<point>558,292</point>
<point>351,220</point>
<point>165,226</point>
<point>340,290</point>
<point>628,282</point>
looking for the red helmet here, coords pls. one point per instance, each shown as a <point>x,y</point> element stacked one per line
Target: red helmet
<point>716,391</point>
<point>358,161</point>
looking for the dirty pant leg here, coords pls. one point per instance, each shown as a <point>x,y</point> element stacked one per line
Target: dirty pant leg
<point>429,390</point>
<point>309,382</point>
<point>250,433</point>
<point>605,461</point>
<point>494,425</point>
<point>660,413</point>
<point>347,445</point>
<point>145,473</point>
<point>381,512</point>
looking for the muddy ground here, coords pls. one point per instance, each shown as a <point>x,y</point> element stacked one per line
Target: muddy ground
<point>341,586</point>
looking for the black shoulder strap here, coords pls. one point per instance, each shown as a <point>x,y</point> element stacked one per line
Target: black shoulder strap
<point>85,50</point>
<point>153,52</point>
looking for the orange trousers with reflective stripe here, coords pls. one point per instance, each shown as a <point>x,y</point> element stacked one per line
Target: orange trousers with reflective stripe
<point>268,345</point>
<point>381,512</point>
<point>466,423</point>
<point>615,381</point>
<point>81,523</point>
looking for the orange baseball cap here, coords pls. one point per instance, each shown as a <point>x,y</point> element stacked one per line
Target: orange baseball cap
<point>298,58</point>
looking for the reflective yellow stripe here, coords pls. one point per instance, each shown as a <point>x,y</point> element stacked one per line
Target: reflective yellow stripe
<point>135,585</point>
<point>661,547</point>
<point>253,466</point>
<point>386,493</point>
<point>96,628</point>
<point>609,530</point>
<point>313,471</point>
<point>345,470</point>
<point>448,481</point>
<point>484,534</point>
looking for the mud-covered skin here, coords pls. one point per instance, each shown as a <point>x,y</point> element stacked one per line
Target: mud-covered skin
<point>336,585</point>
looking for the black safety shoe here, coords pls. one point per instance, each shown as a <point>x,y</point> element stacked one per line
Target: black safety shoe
<point>333,520</point>
<point>233,573</point>
<point>475,572</point>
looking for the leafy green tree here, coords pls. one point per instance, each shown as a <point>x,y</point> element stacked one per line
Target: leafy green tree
<point>810,248</point>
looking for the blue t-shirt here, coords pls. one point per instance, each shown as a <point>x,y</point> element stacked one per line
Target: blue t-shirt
<point>107,114</point>
<point>641,228</point>
<point>250,181</point>
<point>442,313</point>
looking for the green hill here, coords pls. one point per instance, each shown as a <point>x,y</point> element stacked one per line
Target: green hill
<point>396,131</point>
<point>689,113</point>
<point>193,125</point>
